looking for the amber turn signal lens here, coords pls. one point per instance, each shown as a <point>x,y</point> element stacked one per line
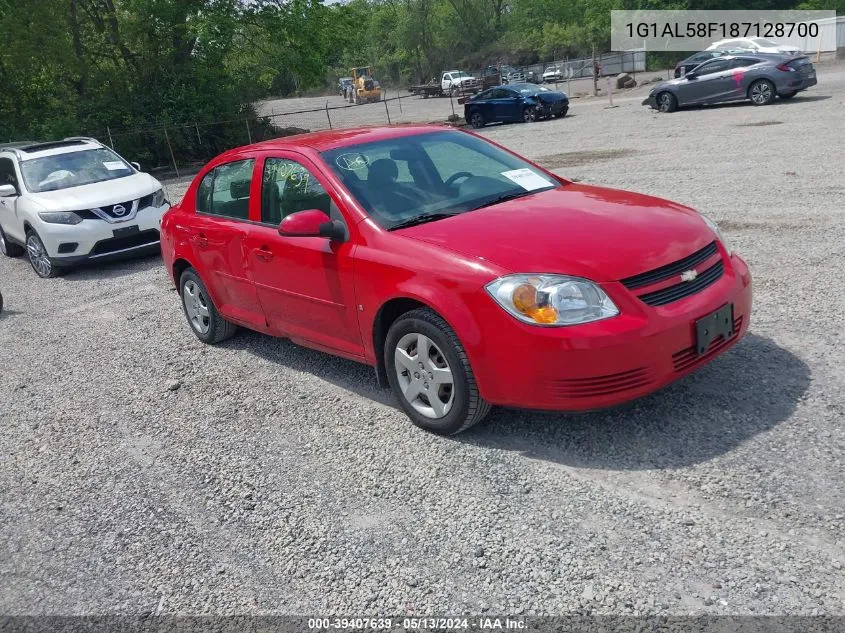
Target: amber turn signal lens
<point>525,300</point>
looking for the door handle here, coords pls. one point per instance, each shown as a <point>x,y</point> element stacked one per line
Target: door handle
<point>201,240</point>
<point>264,254</point>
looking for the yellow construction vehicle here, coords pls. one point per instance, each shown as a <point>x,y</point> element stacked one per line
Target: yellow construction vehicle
<point>364,88</point>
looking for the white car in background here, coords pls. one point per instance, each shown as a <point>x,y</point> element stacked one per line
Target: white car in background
<point>756,44</point>
<point>71,201</point>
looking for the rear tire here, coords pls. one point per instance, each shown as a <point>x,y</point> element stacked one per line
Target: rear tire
<point>200,311</point>
<point>9,249</point>
<point>761,92</point>
<point>450,377</point>
<point>788,95</point>
<point>666,102</point>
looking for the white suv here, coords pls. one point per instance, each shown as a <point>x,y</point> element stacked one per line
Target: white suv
<point>70,201</point>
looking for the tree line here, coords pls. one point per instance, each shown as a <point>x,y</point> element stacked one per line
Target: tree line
<point>75,66</point>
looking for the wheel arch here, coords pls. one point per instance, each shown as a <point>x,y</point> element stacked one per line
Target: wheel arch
<point>180,265</point>
<point>392,309</point>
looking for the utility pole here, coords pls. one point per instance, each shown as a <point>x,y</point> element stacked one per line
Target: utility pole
<point>595,74</point>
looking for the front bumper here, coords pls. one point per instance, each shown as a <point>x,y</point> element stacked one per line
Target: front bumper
<point>608,362</point>
<point>553,109</point>
<point>650,100</point>
<point>98,240</point>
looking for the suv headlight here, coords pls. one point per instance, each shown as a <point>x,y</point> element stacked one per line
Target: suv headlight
<point>551,300</point>
<point>60,217</point>
<point>159,198</point>
<point>715,228</point>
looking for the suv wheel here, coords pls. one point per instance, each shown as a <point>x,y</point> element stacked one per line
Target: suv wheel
<point>201,312</point>
<point>9,249</point>
<point>38,257</point>
<point>429,373</point>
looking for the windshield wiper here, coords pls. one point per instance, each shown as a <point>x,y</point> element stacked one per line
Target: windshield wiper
<point>421,219</point>
<point>505,197</point>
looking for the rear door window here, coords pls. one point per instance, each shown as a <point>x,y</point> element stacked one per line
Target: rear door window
<point>224,191</point>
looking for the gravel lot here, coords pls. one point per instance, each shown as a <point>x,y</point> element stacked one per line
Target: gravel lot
<point>144,472</point>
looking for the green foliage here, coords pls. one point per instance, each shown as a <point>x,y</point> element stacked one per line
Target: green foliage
<point>86,66</point>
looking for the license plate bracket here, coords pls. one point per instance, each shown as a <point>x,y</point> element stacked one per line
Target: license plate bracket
<point>126,230</point>
<point>715,325</point>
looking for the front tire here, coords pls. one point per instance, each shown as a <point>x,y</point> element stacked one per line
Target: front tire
<point>429,372</point>
<point>476,120</point>
<point>38,257</point>
<point>529,114</point>
<point>761,92</point>
<point>200,311</point>
<point>666,102</point>
<point>9,249</point>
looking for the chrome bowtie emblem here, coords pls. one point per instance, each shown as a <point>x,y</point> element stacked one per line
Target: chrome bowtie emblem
<point>689,275</point>
<point>119,210</point>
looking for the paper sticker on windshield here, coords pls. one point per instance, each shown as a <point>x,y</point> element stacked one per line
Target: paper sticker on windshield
<point>527,179</point>
<point>113,165</point>
<point>352,162</point>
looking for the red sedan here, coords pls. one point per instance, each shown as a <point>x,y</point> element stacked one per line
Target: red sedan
<point>466,275</point>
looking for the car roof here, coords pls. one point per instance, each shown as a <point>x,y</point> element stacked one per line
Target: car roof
<point>333,139</point>
<point>520,86</point>
<point>31,150</point>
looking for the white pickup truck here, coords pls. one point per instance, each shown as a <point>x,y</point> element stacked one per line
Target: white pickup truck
<point>457,82</point>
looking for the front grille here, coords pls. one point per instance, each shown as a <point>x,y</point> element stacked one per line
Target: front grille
<point>601,385</point>
<point>114,244</point>
<point>108,209</point>
<point>669,270</point>
<point>689,358</point>
<point>685,288</point>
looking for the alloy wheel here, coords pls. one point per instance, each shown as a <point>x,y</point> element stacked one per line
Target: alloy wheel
<point>529,115</point>
<point>196,307</point>
<point>425,378</point>
<point>37,255</point>
<point>476,120</point>
<point>761,93</point>
<point>3,247</point>
<point>665,102</point>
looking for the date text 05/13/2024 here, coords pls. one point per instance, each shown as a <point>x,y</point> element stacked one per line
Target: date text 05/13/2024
<point>418,624</point>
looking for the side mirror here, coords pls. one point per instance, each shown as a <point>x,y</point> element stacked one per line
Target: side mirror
<point>137,166</point>
<point>312,223</point>
<point>691,75</point>
<point>8,191</point>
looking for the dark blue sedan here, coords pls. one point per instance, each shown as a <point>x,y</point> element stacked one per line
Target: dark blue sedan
<point>514,102</point>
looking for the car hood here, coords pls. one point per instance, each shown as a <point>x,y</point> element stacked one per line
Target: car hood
<point>98,194</point>
<point>592,232</point>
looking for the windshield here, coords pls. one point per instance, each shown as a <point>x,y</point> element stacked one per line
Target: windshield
<point>446,172</point>
<point>460,74</point>
<point>73,169</point>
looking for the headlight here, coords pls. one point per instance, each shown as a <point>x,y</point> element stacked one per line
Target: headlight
<point>552,300</point>
<point>159,198</point>
<point>715,228</point>
<point>60,217</point>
